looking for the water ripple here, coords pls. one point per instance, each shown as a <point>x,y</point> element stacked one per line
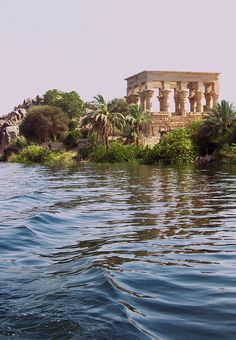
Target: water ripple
<point>117,251</point>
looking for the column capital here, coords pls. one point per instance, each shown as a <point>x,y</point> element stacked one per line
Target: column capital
<point>134,98</point>
<point>142,94</point>
<point>128,99</point>
<point>165,93</point>
<point>183,94</point>
<point>148,93</point>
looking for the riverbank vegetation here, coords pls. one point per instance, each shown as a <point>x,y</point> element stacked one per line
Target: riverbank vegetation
<point>114,132</point>
<point>35,154</point>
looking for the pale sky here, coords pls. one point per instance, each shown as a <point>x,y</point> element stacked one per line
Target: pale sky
<point>91,45</point>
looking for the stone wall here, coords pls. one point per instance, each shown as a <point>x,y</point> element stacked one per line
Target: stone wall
<point>162,123</point>
<point>9,124</point>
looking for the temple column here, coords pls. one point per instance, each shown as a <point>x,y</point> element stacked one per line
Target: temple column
<point>199,96</point>
<point>215,93</point>
<point>128,99</point>
<point>142,96</point>
<point>208,101</point>
<point>192,100</point>
<point>160,98</point>
<point>148,96</point>
<point>177,100</point>
<point>183,95</point>
<point>215,97</point>
<point>134,98</point>
<point>165,100</point>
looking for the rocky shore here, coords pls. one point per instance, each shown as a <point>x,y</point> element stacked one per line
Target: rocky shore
<point>9,124</point>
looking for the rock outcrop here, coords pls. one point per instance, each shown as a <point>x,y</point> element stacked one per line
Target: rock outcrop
<point>9,124</point>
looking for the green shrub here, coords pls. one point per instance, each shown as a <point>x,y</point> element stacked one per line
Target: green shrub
<point>227,153</point>
<point>72,138</point>
<point>16,146</point>
<point>229,137</point>
<point>32,154</point>
<point>19,143</point>
<point>176,147</point>
<point>116,153</point>
<point>35,154</point>
<point>152,155</point>
<point>61,159</point>
<point>98,154</point>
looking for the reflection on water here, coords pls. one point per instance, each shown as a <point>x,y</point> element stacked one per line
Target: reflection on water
<point>117,251</point>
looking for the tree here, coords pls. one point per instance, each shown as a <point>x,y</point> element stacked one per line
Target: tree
<point>136,118</point>
<point>70,102</point>
<point>101,120</point>
<point>217,129</point>
<point>204,138</point>
<point>118,105</point>
<point>222,116</point>
<point>43,123</point>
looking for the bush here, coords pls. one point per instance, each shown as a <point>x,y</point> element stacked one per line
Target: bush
<point>227,153</point>
<point>35,154</point>
<point>176,147</point>
<point>16,146</point>
<point>32,154</point>
<point>229,137</point>
<point>72,138</point>
<point>61,159</point>
<point>152,155</point>
<point>116,153</point>
<point>19,143</point>
<point>44,122</point>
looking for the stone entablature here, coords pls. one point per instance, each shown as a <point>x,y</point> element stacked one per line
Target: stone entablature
<point>200,89</point>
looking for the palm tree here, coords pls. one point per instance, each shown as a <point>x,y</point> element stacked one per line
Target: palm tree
<point>136,118</point>
<point>222,116</point>
<point>101,120</point>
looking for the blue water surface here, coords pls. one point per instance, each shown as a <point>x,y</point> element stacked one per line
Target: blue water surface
<point>117,252</point>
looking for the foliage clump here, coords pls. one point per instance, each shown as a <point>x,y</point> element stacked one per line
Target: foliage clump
<point>116,153</point>
<point>227,153</point>
<point>137,117</point>
<point>19,143</point>
<point>102,120</point>
<point>44,123</point>
<point>35,154</point>
<point>176,147</point>
<point>218,130</point>
<point>69,102</point>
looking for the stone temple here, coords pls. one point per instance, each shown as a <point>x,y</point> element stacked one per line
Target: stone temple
<point>181,97</point>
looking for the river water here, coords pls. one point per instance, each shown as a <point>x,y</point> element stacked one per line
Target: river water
<point>117,252</point>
